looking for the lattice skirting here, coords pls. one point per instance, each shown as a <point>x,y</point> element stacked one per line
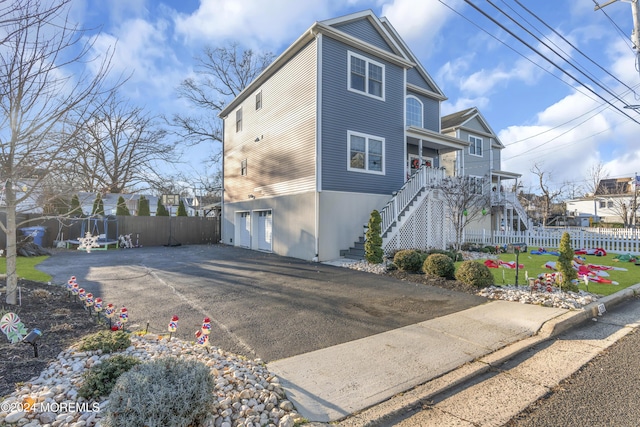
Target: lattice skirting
<point>426,227</point>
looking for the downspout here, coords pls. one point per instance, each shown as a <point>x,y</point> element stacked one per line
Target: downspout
<point>318,141</point>
<point>222,212</point>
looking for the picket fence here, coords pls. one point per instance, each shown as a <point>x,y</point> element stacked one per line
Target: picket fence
<point>611,240</point>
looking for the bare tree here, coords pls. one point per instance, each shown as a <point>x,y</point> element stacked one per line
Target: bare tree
<point>37,93</point>
<point>466,199</point>
<point>595,174</point>
<point>548,195</point>
<point>118,148</point>
<point>221,73</point>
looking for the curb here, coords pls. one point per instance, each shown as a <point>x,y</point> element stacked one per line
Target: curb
<point>415,398</point>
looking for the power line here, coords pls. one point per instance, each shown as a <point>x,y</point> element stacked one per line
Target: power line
<point>547,59</point>
<point>575,47</point>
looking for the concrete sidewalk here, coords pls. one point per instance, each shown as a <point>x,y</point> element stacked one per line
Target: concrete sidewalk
<point>332,383</point>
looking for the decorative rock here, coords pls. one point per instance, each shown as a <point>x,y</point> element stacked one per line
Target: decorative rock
<point>14,417</point>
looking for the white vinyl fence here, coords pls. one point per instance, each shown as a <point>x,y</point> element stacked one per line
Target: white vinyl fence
<point>611,240</point>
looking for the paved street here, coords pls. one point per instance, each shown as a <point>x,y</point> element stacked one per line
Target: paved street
<point>603,393</point>
<point>604,398</point>
<point>261,305</point>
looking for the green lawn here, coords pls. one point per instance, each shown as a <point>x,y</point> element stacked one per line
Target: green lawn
<point>535,264</point>
<point>26,267</point>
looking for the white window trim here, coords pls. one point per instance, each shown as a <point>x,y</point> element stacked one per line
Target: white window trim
<point>366,77</point>
<point>258,93</point>
<point>471,137</point>
<point>421,109</point>
<point>366,160</point>
<point>238,123</point>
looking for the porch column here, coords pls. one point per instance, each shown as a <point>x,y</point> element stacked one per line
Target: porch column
<point>420,151</point>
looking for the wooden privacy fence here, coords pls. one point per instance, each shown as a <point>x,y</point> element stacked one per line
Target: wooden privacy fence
<point>611,240</point>
<point>146,230</point>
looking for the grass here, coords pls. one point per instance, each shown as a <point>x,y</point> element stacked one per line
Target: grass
<point>26,268</point>
<point>535,265</point>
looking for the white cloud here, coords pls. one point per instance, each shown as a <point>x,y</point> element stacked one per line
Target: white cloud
<point>418,21</point>
<point>254,23</point>
<point>567,138</point>
<point>142,52</point>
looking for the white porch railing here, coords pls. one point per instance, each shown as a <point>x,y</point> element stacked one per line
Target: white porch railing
<point>424,177</point>
<point>611,240</point>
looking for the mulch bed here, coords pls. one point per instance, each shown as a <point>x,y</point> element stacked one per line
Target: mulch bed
<point>62,320</point>
<point>440,282</point>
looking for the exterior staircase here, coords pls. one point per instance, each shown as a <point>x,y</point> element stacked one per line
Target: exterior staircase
<point>398,210</point>
<point>356,251</point>
<point>510,199</point>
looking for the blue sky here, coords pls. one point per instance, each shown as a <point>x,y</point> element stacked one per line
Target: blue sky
<point>540,114</point>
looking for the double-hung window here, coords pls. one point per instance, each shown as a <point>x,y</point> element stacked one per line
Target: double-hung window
<point>366,153</point>
<point>476,146</point>
<point>366,76</point>
<point>239,119</point>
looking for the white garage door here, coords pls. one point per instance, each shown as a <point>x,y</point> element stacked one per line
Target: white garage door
<point>264,230</point>
<point>245,229</point>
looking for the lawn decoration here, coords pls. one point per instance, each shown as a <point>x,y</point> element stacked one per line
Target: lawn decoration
<point>497,263</point>
<point>543,251</point>
<point>88,302</point>
<point>75,288</point>
<point>206,326</point>
<point>626,258</point>
<point>173,325</point>
<point>12,327</point>
<point>124,315</point>
<point>97,306</point>
<point>110,312</point>
<point>69,287</point>
<point>82,294</point>
<point>594,272</point>
<point>88,241</point>
<point>202,340</point>
<point>591,251</point>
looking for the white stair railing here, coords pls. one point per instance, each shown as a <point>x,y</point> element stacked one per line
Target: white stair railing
<point>422,178</point>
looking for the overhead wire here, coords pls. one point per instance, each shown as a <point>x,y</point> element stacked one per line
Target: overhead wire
<point>495,21</point>
<point>577,49</point>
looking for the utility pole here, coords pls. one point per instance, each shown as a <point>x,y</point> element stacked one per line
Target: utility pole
<point>635,35</point>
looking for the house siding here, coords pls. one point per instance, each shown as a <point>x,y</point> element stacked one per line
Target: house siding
<point>363,29</point>
<point>343,111</point>
<point>283,159</point>
<point>476,165</point>
<point>415,78</point>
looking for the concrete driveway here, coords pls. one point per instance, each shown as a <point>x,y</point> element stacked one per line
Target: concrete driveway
<point>261,305</point>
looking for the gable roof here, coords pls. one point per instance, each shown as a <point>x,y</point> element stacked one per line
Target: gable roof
<point>459,120</point>
<point>412,57</point>
<point>399,55</point>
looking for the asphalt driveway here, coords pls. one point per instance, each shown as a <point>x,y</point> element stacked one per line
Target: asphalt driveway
<point>261,305</point>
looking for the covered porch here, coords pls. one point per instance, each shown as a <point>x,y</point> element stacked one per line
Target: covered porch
<point>507,214</point>
<point>425,148</point>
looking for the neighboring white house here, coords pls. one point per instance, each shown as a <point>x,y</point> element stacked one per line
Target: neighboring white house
<point>615,201</point>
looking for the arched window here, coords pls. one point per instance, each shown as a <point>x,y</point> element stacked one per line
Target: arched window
<point>414,112</point>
